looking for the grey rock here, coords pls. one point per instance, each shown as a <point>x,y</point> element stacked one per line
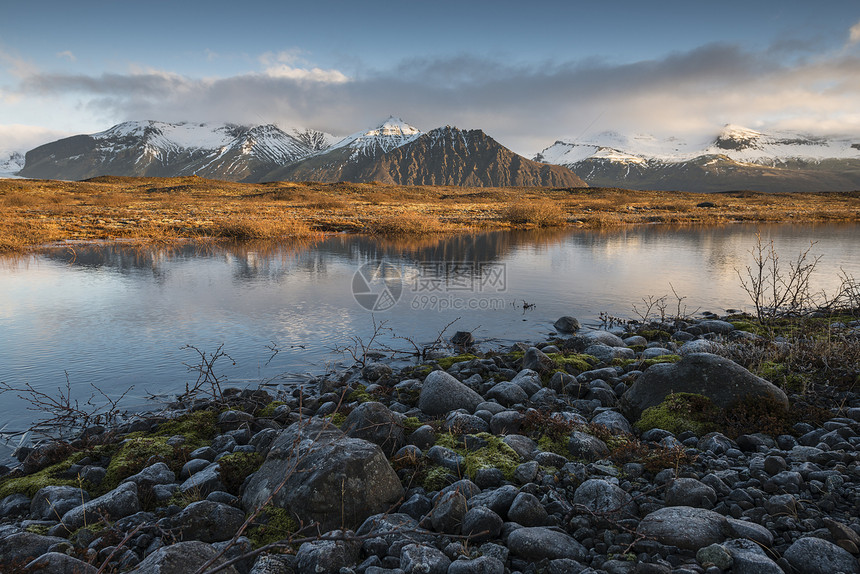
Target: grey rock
<point>442,393</point>
<point>326,555</point>
<point>699,346</point>
<point>481,519</point>
<point>604,337</point>
<point>781,505</point>
<point>614,421</point>
<point>204,481</point>
<point>717,555</point>
<point>19,549</point>
<point>421,559</point>
<point>750,530</point>
<point>158,473</point>
<point>817,556</point>
<point>481,565</point>
<point>508,393</point>
<point>118,503</point>
<point>423,437</point>
<point>460,423</point>
<point>690,492</point>
<point>713,326</point>
<point>684,527</point>
<point>447,458</point>
<point>448,512</point>
<point>208,521</point>
<point>587,447</point>
<point>529,380</point>
<point>14,505</point>
<point>724,381</point>
<point>536,360</point>
<point>180,558</point>
<point>506,422</point>
<point>527,510</point>
<point>326,476</point>
<point>538,543</point>
<point>522,445</point>
<point>58,563</point>
<point>526,472</point>
<point>372,421</point>
<point>52,502</point>
<point>192,467</point>
<point>498,500</point>
<point>654,352</point>
<point>603,497</point>
<point>375,371</point>
<point>273,564</point>
<point>749,558</point>
<point>204,452</point>
<point>566,324</point>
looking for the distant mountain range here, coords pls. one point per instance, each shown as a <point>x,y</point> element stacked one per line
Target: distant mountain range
<point>393,152</point>
<point>736,158</point>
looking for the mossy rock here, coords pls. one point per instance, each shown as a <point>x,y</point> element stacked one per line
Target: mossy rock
<point>446,362</point>
<point>680,412</point>
<point>655,334</point>
<point>234,468</point>
<point>198,428</point>
<point>272,525</point>
<point>496,454</point>
<point>779,374</point>
<point>49,476</point>
<point>269,410</point>
<point>134,455</point>
<point>359,395</point>
<point>658,360</point>
<point>577,361</point>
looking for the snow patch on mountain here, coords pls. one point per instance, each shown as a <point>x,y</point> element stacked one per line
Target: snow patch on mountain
<point>11,162</point>
<point>391,134</point>
<point>738,143</point>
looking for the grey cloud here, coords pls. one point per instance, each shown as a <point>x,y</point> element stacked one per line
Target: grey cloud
<point>523,106</point>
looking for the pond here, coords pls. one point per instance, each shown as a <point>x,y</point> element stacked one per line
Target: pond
<point>116,317</point>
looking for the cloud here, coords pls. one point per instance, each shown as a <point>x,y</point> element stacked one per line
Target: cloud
<point>525,107</point>
<point>17,137</point>
<point>854,34</point>
<point>67,54</point>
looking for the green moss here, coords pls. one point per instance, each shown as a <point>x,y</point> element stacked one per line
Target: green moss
<point>619,362</point>
<point>516,355</point>
<point>680,412</point>
<point>29,485</point>
<point>421,371</point>
<point>655,334</point>
<point>779,374</point>
<point>269,410</point>
<point>657,360</point>
<point>410,424</point>
<point>273,525</point>
<point>435,478</point>
<point>446,362</point>
<point>744,325</point>
<point>235,468</point>
<point>557,444</point>
<point>580,362</point>
<point>198,428</point>
<point>133,456</point>
<point>360,395</point>
<point>496,454</point>
<point>337,419</point>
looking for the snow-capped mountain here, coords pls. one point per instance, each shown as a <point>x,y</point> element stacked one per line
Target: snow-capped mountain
<point>391,134</point>
<point>159,149</point>
<point>11,162</point>
<point>735,158</point>
<point>443,156</point>
<point>392,152</point>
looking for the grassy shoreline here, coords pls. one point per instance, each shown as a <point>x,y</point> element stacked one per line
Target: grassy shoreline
<point>37,212</point>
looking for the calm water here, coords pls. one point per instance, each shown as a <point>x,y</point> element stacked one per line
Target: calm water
<point>118,317</point>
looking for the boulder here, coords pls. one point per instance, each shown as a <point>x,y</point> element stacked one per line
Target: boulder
<point>421,559</point>
<point>17,550</point>
<point>723,381</point>
<point>539,542</point>
<point>322,475</point>
<point>118,503</point>
<point>372,421</point>
<point>52,502</point>
<point>818,556</point>
<point>326,555</point>
<point>207,521</point>
<point>508,393</point>
<point>181,558</point>
<point>536,360</point>
<point>566,324</point>
<point>684,527</point>
<point>442,393</point>
<point>58,563</point>
<point>602,497</point>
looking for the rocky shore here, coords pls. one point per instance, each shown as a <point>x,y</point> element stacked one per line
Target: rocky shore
<point>642,450</point>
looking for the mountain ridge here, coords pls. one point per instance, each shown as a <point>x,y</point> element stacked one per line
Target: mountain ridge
<point>734,158</point>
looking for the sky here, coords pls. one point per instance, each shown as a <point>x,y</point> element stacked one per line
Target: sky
<point>527,73</point>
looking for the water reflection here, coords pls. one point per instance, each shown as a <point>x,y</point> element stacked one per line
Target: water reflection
<point>118,316</point>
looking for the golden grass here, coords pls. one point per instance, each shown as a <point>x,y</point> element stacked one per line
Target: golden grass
<point>161,210</point>
<point>539,213</point>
